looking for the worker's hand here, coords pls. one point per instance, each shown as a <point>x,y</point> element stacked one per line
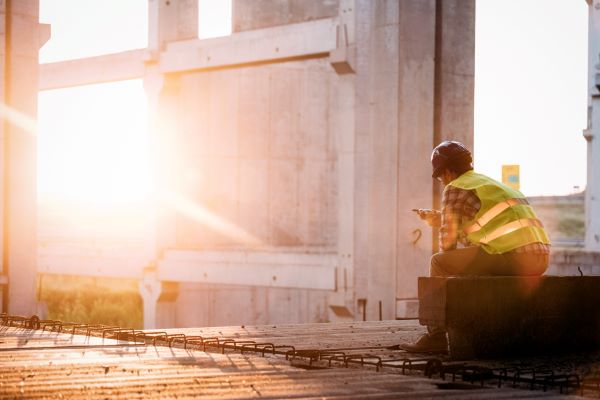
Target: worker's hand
<point>433,218</point>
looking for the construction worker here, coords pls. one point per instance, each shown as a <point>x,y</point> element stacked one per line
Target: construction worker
<point>497,228</point>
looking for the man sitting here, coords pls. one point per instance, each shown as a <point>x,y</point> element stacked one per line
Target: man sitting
<point>496,224</point>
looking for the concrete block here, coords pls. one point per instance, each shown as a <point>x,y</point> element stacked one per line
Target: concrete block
<point>406,309</point>
<point>343,60</point>
<point>501,316</point>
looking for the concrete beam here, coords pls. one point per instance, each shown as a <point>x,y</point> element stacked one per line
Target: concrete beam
<point>103,266</point>
<point>308,39</point>
<point>86,71</point>
<point>283,270</point>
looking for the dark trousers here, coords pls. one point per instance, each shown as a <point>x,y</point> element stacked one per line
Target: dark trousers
<point>475,261</point>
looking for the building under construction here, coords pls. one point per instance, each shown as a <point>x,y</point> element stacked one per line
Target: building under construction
<point>288,156</point>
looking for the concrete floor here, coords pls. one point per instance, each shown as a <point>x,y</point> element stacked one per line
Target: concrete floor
<point>48,364</point>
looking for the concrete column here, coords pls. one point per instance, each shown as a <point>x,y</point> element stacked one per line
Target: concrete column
<point>454,79</point>
<point>414,85</point>
<point>416,111</point>
<point>376,162</point>
<point>170,20</point>
<point>455,71</point>
<point>592,133</point>
<point>158,299</point>
<point>167,21</point>
<point>592,198</point>
<point>342,105</point>
<point>19,45</point>
<point>150,290</point>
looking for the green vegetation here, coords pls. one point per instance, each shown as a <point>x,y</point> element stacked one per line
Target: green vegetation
<point>572,227</point>
<point>92,300</point>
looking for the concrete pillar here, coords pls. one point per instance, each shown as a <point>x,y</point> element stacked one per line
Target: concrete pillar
<point>342,301</point>
<point>454,79</point>
<point>414,85</point>
<point>376,159</point>
<point>168,20</point>
<point>416,117</point>
<point>455,71</point>
<point>592,133</point>
<point>19,44</point>
<point>158,300</point>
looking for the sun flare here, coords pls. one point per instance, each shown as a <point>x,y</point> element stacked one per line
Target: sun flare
<point>93,144</point>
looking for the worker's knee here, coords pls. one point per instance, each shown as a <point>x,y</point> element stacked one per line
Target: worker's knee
<point>435,266</point>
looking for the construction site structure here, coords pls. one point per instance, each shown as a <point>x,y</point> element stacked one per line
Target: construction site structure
<point>289,155</point>
<point>592,132</point>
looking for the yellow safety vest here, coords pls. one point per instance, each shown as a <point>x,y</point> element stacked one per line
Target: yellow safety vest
<point>505,220</point>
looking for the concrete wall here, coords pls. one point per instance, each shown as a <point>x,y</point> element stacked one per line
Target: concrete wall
<point>563,218</point>
<point>287,181</point>
<point>256,14</point>
<point>574,262</point>
<point>303,159</point>
<point>218,305</point>
<point>259,153</point>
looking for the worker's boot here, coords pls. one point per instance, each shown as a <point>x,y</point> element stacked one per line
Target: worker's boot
<point>428,343</point>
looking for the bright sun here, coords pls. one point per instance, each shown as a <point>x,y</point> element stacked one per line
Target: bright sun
<point>93,144</point>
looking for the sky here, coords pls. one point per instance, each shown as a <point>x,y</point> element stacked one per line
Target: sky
<point>531,92</point>
<point>530,96</point>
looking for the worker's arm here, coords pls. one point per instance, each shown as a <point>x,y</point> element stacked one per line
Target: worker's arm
<point>433,218</point>
<point>458,205</point>
<point>448,235</point>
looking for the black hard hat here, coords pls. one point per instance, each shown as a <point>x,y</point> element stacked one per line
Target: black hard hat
<point>447,152</point>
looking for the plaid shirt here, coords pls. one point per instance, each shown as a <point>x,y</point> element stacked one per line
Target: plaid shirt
<point>459,206</point>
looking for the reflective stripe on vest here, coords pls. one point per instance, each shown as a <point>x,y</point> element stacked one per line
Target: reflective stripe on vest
<point>491,213</point>
<point>511,227</point>
<point>505,220</point>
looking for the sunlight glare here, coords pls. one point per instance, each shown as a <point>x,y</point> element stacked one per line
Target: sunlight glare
<point>201,214</point>
<point>93,144</point>
<point>19,119</point>
<point>87,28</point>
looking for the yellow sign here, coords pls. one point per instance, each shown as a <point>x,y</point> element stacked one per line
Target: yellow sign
<point>510,176</point>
